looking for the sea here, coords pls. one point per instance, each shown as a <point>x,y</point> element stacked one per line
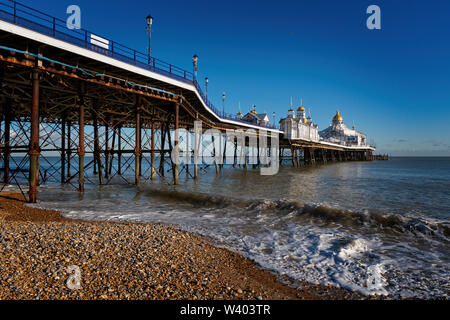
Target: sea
<point>378,228</point>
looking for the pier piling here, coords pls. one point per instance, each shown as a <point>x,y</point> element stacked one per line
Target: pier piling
<point>34,150</point>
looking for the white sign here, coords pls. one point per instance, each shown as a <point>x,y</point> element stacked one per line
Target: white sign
<point>99,41</point>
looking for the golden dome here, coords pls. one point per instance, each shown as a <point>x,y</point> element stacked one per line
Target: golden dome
<point>301,108</point>
<point>338,117</point>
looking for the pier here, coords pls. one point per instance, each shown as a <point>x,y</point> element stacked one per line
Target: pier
<point>111,113</point>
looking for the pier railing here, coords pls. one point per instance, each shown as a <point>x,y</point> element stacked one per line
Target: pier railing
<point>29,18</point>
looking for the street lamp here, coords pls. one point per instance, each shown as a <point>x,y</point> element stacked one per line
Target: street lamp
<point>194,63</point>
<point>149,29</point>
<point>273,114</point>
<point>223,104</point>
<point>206,86</point>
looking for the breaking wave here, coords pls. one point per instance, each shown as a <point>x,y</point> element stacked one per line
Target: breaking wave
<point>376,220</point>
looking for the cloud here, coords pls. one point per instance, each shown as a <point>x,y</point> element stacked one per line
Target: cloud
<point>402,140</point>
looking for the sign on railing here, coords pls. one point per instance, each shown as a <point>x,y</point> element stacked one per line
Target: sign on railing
<point>99,41</point>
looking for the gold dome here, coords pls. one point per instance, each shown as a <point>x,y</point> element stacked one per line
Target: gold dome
<point>253,111</point>
<point>301,108</point>
<point>338,117</point>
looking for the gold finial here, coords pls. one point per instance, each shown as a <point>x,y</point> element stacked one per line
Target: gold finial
<point>338,117</point>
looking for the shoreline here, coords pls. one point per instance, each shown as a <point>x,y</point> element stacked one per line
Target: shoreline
<point>121,260</point>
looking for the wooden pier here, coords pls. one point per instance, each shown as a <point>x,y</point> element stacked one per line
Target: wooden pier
<point>381,157</point>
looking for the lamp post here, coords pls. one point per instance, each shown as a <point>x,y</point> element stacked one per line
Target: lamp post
<point>194,63</point>
<point>206,86</point>
<point>223,104</point>
<point>149,29</point>
<point>273,114</point>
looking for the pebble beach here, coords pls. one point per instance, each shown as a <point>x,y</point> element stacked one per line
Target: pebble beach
<point>128,261</point>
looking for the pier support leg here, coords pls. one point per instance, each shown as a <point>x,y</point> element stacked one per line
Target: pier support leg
<point>293,157</point>
<point>235,153</point>
<point>197,135</point>
<point>163,143</point>
<point>35,149</point>
<point>69,147</point>
<point>215,155</point>
<point>63,149</point>
<point>188,155</point>
<point>245,152</point>
<point>119,150</point>
<point>152,175</point>
<point>97,156</point>
<point>176,160</point>
<point>106,151</point>
<point>137,149</point>
<point>111,154</point>
<point>81,148</point>
<point>281,156</point>
<point>224,157</point>
<point>7,148</point>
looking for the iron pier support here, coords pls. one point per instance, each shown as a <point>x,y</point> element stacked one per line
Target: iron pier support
<point>137,149</point>
<point>81,148</point>
<point>34,149</point>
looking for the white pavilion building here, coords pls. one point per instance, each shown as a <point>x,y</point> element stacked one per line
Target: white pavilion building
<point>339,133</point>
<point>299,126</point>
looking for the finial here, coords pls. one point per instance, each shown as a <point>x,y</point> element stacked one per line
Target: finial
<point>301,102</point>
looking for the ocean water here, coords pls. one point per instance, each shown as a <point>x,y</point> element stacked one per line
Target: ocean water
<point>380,227</point>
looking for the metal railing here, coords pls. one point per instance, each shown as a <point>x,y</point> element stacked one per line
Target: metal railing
<point>29,18</point>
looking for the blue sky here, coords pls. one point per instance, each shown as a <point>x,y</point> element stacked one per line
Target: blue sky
<point>394,82</point>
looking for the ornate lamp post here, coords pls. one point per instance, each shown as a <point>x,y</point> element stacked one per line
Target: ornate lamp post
<point>149,29</point>
<point>194,63</point>
<point>206,86</point>
<point>223,104</point>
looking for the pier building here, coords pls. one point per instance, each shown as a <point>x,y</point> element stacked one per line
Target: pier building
<point>339,133</point>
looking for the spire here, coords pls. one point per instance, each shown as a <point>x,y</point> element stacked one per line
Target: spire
<point>239,114</point>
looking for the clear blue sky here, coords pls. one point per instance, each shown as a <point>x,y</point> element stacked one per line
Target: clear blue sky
<point>394,82</point>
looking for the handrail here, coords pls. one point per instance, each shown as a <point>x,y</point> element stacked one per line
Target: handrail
<point>17,13</point>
